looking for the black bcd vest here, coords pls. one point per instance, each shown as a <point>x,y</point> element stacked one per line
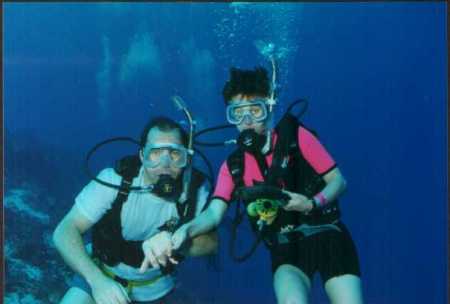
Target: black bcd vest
<point>108,243</point>
<point>289,170</point>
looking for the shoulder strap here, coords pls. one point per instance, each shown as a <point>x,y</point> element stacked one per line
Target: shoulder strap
<point>236,166</point>
<point>235,163</point>
<point>287,139</point>
<point>197,180</point>
<point>107,235</point>
<point>128,166</point>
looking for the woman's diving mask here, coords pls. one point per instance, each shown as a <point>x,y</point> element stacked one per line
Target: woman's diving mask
<point>256,110</point>
<point>165,154</point>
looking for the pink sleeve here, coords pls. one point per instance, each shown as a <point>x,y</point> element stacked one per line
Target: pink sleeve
<point>225,184</point>
<point>314,152</point>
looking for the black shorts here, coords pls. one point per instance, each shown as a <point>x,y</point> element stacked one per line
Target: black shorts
<point>332,253</point>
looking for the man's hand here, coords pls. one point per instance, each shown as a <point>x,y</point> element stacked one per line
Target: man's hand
<point>180,236</point>
<point>157,251</point>
<point>298,202</point>
<point>107,291</point>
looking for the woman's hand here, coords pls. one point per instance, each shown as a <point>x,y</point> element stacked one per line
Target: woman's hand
<point>298,202</point>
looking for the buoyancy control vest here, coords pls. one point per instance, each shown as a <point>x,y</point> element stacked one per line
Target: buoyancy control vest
<point>109,245</point>
<point>289,170</point>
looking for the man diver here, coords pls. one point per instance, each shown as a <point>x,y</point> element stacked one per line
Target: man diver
<point>306,235</point>
<point>132,258</point>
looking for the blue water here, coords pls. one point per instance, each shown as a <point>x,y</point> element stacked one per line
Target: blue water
<point>374,73</point>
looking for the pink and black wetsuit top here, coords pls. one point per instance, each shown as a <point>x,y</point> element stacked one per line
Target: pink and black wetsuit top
<point>312,151</point>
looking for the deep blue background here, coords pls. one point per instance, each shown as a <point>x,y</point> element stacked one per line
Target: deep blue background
<point>375,75</point>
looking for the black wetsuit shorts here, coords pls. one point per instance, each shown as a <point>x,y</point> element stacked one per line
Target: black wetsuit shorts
<point>331,253</point>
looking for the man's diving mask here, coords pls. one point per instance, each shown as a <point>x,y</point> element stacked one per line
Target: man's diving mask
<point>165,155</point>
<point>256,110</point>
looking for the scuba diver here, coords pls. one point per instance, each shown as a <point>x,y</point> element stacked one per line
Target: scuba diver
<point>133,209</point>
<point>290,186</point>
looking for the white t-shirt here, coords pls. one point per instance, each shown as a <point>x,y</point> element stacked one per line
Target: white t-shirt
<point>141,215</point>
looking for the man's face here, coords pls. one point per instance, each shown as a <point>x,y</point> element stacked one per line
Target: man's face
<point>247,122</point>
<point>163,160</point>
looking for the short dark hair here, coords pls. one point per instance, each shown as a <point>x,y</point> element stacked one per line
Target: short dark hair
<point>246,82</point>
<point>164,124</point>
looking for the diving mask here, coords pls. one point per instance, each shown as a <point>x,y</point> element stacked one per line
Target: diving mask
<point>255,110</point>
<point>174,155</point>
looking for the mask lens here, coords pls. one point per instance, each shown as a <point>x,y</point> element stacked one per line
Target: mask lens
<point>175,155</point>
<point>154,155</point>
<point>238,113</point>
<point>255,110</point>
<point>178,158</point>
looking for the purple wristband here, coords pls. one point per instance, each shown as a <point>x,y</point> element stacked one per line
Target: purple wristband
<point>319,197</point>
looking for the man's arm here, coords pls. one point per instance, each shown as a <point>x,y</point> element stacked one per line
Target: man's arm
<point>203,244</point>
<point>68,240</point>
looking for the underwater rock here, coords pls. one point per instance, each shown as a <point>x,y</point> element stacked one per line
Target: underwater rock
<point>16,199</point>
<point>31,265</point>
<point>31,262</point>
<point>15,298</point>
